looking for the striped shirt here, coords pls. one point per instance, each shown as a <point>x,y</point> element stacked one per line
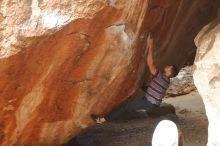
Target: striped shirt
<point>157,88</point>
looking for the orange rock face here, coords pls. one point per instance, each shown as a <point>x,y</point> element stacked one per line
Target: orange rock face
<point>50,87</point>
<point>62,61</point>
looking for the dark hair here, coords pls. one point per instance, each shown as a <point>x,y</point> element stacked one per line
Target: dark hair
<point>175,71</point>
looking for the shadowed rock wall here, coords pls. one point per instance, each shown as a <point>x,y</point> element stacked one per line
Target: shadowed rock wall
<point>175,25</point>
<point>62,61</point>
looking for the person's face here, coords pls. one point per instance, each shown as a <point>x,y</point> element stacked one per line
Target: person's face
<point>168,70</point>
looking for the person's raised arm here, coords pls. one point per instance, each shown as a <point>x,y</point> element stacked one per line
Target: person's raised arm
<point>150,60</point>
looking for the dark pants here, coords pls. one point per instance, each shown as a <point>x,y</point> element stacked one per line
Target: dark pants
<point>133,105</point>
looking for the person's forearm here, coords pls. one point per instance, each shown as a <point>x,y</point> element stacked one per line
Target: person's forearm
<point>150,60</point>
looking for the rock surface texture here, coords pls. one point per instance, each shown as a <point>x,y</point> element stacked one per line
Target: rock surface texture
<point>207,76</point>
<point>182,84</point>
<point>60,61</point>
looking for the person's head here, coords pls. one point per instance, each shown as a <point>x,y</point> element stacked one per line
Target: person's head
<point>171,71</point>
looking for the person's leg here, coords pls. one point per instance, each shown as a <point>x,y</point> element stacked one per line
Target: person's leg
<point>137,104</point>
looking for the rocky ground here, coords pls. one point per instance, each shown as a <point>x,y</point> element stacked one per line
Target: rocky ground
<point>192,118</point>
<point>138,130</point>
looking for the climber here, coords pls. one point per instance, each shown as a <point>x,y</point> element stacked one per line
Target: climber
<point>153,94</point>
